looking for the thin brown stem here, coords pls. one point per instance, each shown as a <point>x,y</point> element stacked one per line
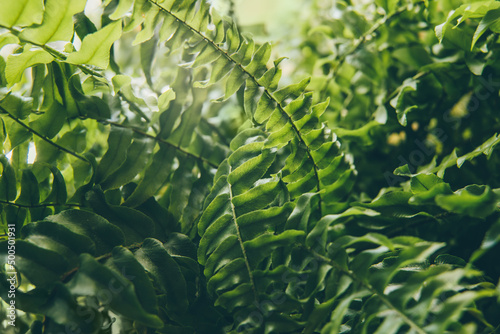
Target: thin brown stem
<point>40,205</point>
<point>267,92</point>
<point>365,36</point>
<point>240,240</point>
<point>68,274</point>
<point>156,138</point>
<point>57,54</point>
<point>368,286</point>
<point>44,138</point>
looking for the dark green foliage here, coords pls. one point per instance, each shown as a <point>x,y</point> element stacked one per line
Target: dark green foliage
<point>180,186</point>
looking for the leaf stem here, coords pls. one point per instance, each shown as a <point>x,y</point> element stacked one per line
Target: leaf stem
<point>132,105</point>
<point>57,54</point>
<point>364,37</point>
<point>368,286</point>
<point>136,108</point>
<point>45,138</point>
<point>255,80</point>
<point>41,205</point>
<point>70,272</point>
<point>216,130</point>
<point>397,90</point>
<point>156,138</point>
<point>240,240</point>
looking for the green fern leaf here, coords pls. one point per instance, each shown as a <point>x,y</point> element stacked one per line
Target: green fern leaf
<point>16,64</point>
<point>95,47</point>
<point>22,13</point>
<point>121,299</point>
<point>57,24</point>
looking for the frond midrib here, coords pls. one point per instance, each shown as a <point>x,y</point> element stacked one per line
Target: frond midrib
<point>255,80</point>
<point>240,240</point>
<point>370,288</point>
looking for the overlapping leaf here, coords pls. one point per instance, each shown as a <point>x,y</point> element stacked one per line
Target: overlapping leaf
<point>242,226</point>
<point>289,113</point>
<point>394,283</point>
<point>277,247</point>
<point>64,248</point>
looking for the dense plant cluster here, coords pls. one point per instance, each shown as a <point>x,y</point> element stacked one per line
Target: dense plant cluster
<point>181,185</point>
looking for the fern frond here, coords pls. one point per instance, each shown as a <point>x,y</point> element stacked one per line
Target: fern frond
<point>233,248</point>
<point>237,215</point>
<point>288,113</point>
<point>394,283</point>
<point>74,256</point>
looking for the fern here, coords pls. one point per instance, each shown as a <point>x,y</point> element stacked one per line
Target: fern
<point>149,209</point>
